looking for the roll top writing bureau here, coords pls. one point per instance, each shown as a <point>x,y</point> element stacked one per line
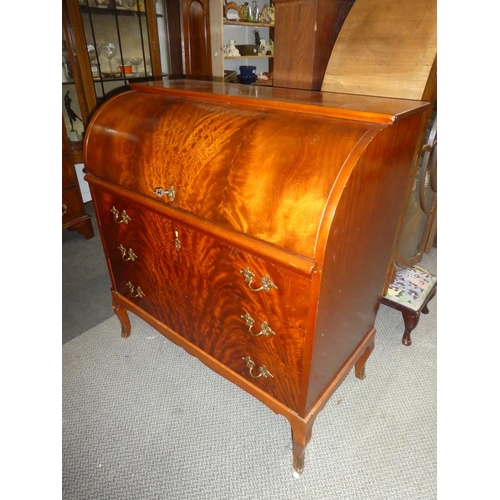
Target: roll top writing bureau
<point>254,226</point>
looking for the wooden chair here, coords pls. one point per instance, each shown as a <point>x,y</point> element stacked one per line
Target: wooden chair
<point>410,292</point>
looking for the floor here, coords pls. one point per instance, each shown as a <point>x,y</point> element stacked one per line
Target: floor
<point>86,297</point>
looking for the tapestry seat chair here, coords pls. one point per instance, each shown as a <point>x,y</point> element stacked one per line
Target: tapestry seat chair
<point>410,293</point>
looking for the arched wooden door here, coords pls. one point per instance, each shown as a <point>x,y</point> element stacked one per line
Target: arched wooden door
<point>196,39</point>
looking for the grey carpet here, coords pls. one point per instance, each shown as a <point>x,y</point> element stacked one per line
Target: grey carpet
<point>86,300</point>
<point>144,420</point>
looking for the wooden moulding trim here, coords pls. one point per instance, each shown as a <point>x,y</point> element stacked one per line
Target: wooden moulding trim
<point>284,258</point>
<point>343,176</point>
<point>238,380</point>
<point>205,358</point>
<point>369,109</point>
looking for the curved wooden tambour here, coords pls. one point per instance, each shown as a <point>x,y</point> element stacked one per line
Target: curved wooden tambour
<point>265,203</point>
<point>250,169</point>
<point>388,48</point>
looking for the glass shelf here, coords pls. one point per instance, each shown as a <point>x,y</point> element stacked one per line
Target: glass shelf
<point>110,11</point>
<point>115,37</point>
<point>250,57</point>
<point>245,23</point>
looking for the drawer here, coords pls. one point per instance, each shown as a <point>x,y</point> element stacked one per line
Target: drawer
<point>190,249</point>
<point>270,287</point>
<point>71,205</point>
<point>224,266</point>
<point>125,216</point>
<point>230,347</point>
<point>218,305</point>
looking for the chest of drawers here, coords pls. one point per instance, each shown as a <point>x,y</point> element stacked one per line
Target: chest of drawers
<point>254,227</point>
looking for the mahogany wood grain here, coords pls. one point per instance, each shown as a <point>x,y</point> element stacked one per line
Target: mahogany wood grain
<point>304,35</point>
<point>196,41</point>
<point>304,191</point>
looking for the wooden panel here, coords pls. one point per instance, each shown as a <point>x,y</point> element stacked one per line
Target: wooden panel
<point>304,35</point>
<point>197,44</point>
<point>385,48</point>
<point>251,155</point>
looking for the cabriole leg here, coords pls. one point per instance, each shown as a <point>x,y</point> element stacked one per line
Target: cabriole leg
<point>122,314</point>
<point>411,321</point>
<point>359,367</point>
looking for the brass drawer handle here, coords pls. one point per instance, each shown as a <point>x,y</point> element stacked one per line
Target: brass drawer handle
<point>267,284</point>
<point>264,327</point>
<point>126,256</point>
<point>170,192</point>
<point>177,242</point>
<point>263,371</point>
<point>64,209</point>
<point>124,217</point>
<point>135,293</point>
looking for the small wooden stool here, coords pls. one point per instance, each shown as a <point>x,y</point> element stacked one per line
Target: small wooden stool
<point>410,292</point>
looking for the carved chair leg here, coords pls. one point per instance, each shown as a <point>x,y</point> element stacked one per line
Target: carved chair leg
<point>411,320</point>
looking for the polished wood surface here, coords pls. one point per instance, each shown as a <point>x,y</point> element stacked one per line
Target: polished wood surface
<point>196,42</point>
<point>385,48</point>
<point>74,216</point>
<point>389,48</point>
<point>304,35</point>
<point>265,250</point>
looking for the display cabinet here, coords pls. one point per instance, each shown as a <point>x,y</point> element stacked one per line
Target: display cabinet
<point>242,36</point>
<point>106,44</point>
<point>74,216</point>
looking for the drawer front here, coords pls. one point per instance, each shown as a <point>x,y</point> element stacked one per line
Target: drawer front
<point>220,306</point>
<point>230,348</point>
<point>122,215</point>
<point>272,288</point>
<point>238,353</point>
<point>190,249</point>
<point>223,267</point>
<point>180,265</point>
<point>137,267</point>
<point>71,205</point>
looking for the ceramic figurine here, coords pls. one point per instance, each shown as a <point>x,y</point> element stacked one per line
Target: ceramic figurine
<point>270,47</point>
<point>231,50</point>
<point>262,47</point>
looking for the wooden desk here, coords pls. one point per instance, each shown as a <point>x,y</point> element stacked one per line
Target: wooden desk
<point>253,226</point>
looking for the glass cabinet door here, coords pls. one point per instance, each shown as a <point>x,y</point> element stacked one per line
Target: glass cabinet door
<point>117,35</point>
<point>72,113</point>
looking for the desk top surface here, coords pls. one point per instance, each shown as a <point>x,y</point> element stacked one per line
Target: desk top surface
<point>348,106</point>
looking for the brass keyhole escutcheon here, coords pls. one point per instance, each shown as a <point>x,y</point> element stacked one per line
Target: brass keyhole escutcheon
<point>177,242</point>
